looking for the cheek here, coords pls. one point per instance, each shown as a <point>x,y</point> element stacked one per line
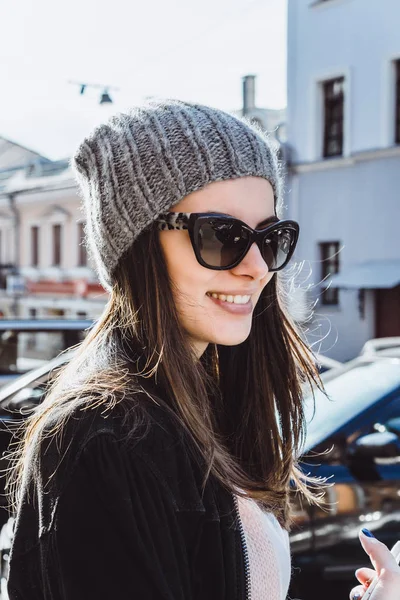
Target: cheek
<point>263,284</point>
<point>188,277</point>
<point>265,281</point>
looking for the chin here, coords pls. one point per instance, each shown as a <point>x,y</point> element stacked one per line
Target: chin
<point>222,334</point>
<point>231,342</point>
<point>231,338</point>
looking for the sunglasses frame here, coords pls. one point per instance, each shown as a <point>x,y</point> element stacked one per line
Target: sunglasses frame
<point>193,221</point>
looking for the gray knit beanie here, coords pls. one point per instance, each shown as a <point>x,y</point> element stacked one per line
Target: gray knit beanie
<point>141,163</point>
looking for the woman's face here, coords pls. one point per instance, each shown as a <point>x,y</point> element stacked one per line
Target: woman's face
<point>204,318</point>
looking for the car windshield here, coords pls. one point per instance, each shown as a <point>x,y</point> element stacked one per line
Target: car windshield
<point>21,351</point>
<point>348,395</point>
<point>29,379</point>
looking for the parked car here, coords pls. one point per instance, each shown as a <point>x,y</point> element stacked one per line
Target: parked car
<point>389,346</point>
<point>325,363</point>
<point>353,437</point>
<point>29,343</point>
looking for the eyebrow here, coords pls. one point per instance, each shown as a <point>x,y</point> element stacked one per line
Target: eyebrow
<point>267,221</point>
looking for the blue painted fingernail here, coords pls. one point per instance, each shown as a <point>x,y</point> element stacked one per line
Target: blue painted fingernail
<point>368,534</point>
<point>357,596</point>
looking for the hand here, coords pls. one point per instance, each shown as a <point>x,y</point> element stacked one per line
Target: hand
<point>388,587</point>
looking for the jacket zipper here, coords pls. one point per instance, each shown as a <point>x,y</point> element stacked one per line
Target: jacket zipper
<point>244,549</point>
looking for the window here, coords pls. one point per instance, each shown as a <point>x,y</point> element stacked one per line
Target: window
<point>22,350</point>
<point>397,122</point>
<point>35,246</point>
<point>333,98</point>
<point>56,245</point>
<point>329,253</point>
<point>82,254</point>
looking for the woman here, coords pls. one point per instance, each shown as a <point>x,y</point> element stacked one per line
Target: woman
<point>159,464</point>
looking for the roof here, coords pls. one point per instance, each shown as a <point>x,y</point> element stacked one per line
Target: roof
<point>36,174</point>
<point>14,155</point>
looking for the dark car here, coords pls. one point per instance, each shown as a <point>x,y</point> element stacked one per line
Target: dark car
<point>29,343</point>
<point>353,438</point>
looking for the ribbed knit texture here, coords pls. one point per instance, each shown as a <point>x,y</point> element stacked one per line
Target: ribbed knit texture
<point>143,162</point>
<point>268,551</point>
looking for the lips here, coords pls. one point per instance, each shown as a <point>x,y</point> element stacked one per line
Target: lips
<point>236,292</point>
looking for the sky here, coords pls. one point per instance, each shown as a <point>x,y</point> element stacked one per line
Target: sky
<point>195,50</point>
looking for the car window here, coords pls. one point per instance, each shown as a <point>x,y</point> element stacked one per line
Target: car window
<point>21,351</point>
<point>393,424</point>
<point>22,399</point>
<point>348,395</point>
<point>29,390</point>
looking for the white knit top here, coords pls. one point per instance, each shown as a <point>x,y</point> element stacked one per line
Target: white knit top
<point>268,551</point>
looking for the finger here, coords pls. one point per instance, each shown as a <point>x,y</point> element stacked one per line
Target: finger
<point>379,553</point>
<point>357,592</point>
<point>365,575</point>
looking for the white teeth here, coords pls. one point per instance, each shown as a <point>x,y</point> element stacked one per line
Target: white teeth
<point>231,299</point>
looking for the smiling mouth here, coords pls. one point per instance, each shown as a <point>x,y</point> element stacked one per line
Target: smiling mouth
<point>237,299</point>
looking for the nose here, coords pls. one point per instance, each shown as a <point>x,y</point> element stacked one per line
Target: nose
<point>253,264</point>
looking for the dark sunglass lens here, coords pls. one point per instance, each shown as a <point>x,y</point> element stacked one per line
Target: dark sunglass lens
<point>277,246</point>
<point>222,242</point>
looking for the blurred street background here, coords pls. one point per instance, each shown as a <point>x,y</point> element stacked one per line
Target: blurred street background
<point>323,78</point>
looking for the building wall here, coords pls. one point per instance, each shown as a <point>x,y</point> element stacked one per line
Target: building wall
<point>355,38</point>
<point>68,289</point>
<point>352,199</point>
<point>350,205</point>
<point>45,209</point>
<point>7,243</point>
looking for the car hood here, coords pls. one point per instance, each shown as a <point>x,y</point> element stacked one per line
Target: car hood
<point>348,395</point>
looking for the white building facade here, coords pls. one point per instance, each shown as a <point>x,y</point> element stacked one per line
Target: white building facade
<point>44,268</point>
<point>343,132</point>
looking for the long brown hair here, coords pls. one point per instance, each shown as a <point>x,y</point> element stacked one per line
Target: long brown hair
<point>241,405</point>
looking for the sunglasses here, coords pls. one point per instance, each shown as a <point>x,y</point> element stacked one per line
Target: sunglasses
<point>221,242</point>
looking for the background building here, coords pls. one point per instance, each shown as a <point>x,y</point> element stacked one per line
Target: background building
<point>269,119</point>
<point>13,155</point>
<point>343,132</point>
<point>44,267</point>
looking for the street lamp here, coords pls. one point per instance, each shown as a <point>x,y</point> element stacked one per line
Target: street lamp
<point>105,97</point>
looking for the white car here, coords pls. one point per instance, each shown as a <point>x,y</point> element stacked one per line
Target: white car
<point>389,346</point>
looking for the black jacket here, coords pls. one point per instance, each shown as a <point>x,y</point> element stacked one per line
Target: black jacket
<point>121,518</point>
